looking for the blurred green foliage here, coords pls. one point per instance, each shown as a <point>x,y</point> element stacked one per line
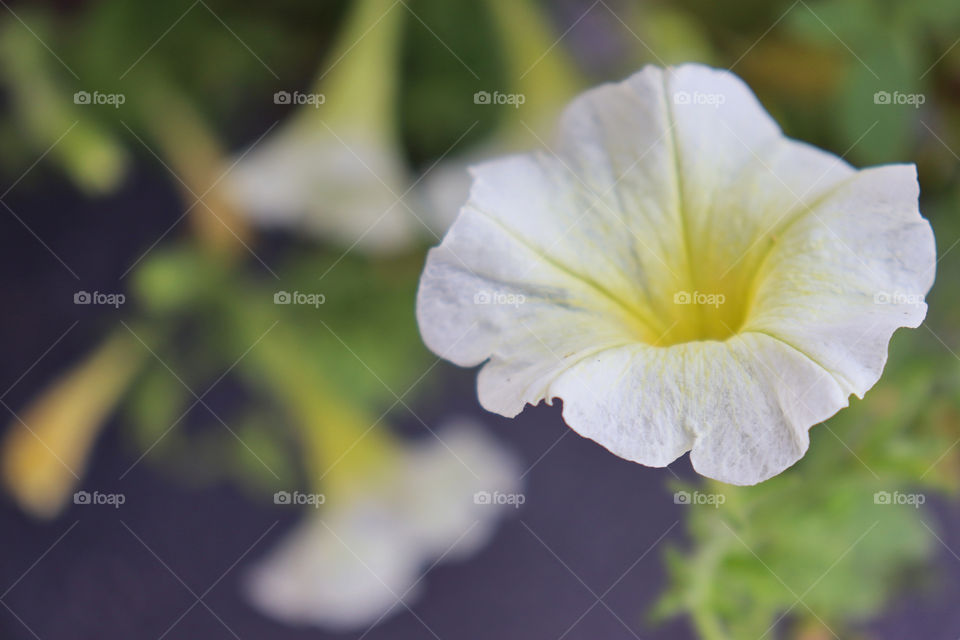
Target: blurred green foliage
<point>359,348</point>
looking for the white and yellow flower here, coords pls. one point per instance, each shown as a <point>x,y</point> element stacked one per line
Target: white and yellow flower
<point>681,274</point>
<point>363,553</point>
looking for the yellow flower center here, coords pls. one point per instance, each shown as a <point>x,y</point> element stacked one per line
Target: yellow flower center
<point>710,301</point>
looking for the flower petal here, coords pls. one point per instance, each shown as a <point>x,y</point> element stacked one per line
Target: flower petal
<point>743,406</point>
<point>845,276</point>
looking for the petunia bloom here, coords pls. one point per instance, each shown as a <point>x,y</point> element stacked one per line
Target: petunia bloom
<point>681,274</point>
<point>361,556</point>
<point>335,169</point>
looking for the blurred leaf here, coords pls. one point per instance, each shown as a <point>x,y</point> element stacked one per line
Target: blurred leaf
<point>175,279</point>
<point>48,115</point>
<point>154,406</point>
<point>436,104</point>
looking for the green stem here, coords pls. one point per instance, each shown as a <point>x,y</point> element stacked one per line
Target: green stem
<point>707,624</point>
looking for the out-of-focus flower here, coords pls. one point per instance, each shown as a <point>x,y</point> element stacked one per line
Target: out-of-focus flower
<point>682,275</point>
<point>46,448</point>
<point>336,168</point>
<point>350,564</point>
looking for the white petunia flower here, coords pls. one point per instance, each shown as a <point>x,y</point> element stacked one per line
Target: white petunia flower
<point>350,564</point>
<point>346,190</point>
<point>336,168</point>
<point>682,275</point>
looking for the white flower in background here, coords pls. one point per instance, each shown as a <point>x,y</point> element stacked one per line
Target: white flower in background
<point>347,566</point>
<point>336,168</point>
<point>692,280</point>
<point>307,179</point>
